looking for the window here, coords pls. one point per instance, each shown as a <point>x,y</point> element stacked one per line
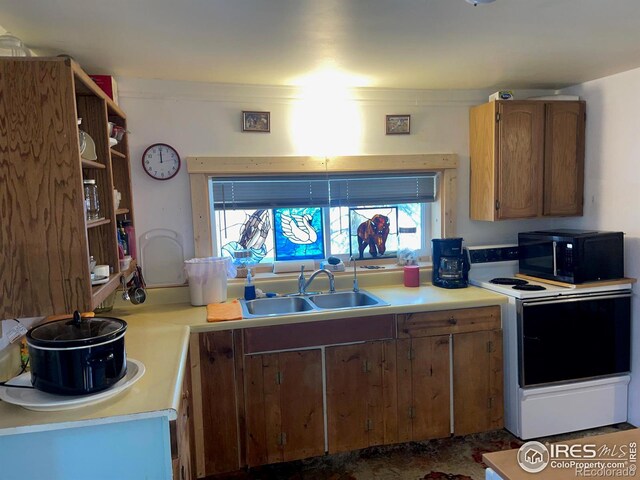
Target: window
<point>287,218</point>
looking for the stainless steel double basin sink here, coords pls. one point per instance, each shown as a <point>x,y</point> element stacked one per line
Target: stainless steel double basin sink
<point>277,306</point>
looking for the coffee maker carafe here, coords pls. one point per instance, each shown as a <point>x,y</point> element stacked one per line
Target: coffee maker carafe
<point>450,267</point>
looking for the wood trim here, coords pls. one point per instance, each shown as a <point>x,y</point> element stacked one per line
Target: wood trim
<point>238,348</point>
<point>225,166</point>
<point>201,215</point>
<point>392,163</point>
<point>196,389</point>
<point>448,199</point>
<point>202,168</point>
<point>496,380</point>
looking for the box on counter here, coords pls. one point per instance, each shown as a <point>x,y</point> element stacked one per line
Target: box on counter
<point>501,95</point>
<point>108,84</point>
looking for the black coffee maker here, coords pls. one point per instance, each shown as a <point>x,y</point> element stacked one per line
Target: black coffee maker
<point>450,266</point>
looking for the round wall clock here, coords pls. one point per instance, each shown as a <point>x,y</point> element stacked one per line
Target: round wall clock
<point>161,161</point>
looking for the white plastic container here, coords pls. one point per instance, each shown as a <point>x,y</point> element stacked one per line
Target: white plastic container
<point>208,279</point>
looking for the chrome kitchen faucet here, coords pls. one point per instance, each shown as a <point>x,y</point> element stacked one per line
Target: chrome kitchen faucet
<point>303,284</point>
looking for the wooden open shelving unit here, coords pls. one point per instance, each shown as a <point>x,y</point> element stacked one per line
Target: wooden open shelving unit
<point>45,270</point>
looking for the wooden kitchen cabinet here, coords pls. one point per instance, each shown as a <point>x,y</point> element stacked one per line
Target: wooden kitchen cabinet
<point>477,382</point>
<point>476,338</point>
<point>527,159</point>
<point>260,394</point>
<point>284,406</point>
<point>362,408</point>
<point>423,388</point>
<point>45,269</point>
<point>217,402</point>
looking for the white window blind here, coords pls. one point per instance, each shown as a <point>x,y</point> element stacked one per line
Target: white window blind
<point>323,191</point>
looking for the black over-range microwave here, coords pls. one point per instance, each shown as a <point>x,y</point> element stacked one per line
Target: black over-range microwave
<point>572,256</point>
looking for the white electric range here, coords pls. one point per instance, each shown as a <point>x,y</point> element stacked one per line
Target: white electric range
<point>566,349</point>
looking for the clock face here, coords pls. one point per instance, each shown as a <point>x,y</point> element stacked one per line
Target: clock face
<point>161,161</point>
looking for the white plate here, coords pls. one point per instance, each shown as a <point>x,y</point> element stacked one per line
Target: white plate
<point>113,142</point>
<point>100,280</point>
<point>33,399</point>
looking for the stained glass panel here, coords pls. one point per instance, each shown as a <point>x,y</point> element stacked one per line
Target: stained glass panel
<point>373,232</point>
<point>299,233</point>
<point>245,234</point>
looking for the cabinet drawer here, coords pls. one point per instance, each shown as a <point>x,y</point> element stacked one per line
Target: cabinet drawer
<point>426,324</point>
<point>313,334</point>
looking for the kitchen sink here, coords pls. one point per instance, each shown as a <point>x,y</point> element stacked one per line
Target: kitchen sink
<point>345,300</point>
<point>263,307</point>
<point>277,306</point>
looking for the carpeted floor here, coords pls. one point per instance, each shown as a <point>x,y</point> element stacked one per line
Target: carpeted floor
<point>457,458</point>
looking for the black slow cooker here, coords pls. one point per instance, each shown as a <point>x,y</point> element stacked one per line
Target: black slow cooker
<point>77,356</point>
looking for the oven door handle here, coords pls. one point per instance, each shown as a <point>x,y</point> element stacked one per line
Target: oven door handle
<point>582,298</point>
<point>555,258</point>
<point>526,337</point>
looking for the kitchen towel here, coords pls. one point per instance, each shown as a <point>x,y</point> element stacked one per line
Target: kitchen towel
<point>219,312</point>
<point>53,318</point>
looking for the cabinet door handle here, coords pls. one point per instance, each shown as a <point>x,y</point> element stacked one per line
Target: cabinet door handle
<point>452,321</point>
<point>368,425</point>
<point>412,413</point>
<point>366,366</point>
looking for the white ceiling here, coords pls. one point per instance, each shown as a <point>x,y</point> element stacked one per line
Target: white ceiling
<point>427,44</point>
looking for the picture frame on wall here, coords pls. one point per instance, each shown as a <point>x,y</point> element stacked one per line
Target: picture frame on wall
<point>256,122</point>
<point>398,124</point>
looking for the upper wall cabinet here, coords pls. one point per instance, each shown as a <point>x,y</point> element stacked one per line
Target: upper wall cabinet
<point>46,239</point>
<point>527,159</point>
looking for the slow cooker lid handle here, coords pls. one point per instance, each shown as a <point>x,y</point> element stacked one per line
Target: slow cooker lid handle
<point>77,319</point>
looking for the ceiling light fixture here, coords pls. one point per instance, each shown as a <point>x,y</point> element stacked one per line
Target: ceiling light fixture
<point>475,3</point>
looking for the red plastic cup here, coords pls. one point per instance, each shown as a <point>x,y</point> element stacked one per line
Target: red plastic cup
<point>411,276</point>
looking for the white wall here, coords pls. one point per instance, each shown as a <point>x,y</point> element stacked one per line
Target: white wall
<point>205,119</point>
<point>612,181</point>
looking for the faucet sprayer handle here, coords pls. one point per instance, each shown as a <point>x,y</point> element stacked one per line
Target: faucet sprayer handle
<point>301,281</point>
<point>356,288</point>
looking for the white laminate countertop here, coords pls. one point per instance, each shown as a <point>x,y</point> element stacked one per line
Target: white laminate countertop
<point>158,336</point>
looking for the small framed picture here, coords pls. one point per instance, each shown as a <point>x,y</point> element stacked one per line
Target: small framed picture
<point>256,122</point>
<point>398,124</point>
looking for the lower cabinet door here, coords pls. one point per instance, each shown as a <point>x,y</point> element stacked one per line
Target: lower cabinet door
<point>284,413</point>
<point>424,399</point>
<point>477,384</point>
<point>215,403</point>
<point>361,395</point>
